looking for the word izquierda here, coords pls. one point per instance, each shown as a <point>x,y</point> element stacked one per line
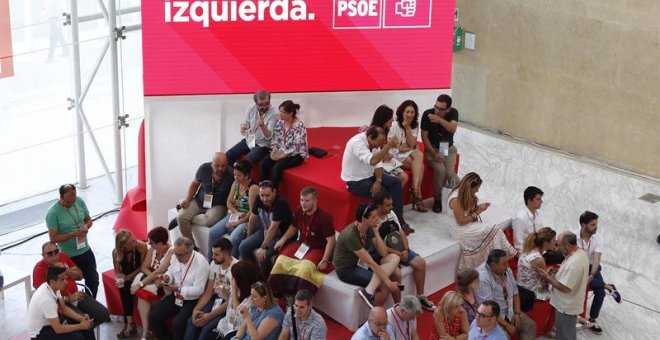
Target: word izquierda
<point>236,10</point>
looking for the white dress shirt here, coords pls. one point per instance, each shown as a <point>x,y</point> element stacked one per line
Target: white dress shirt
<point>524,223</point>
<point>194,281</point>
<point>355,165</point>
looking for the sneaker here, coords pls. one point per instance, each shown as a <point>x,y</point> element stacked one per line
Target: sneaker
<point>615,294</point>
<point>368,298</point>
<point>426,304</point>
<point>595,328</point>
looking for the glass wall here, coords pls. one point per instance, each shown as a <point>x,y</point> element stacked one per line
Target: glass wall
<point>37,129</point>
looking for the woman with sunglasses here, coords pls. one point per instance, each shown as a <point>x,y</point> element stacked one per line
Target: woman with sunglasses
<point>264,319</point>
<point>477,238</point>
<point>157,260</point>
<point>450,319</point>
<point>127,256</point>
<point>242,194</point>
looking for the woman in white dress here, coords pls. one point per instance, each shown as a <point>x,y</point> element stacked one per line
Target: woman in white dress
<point>406,129</point>
<point>477,237</point>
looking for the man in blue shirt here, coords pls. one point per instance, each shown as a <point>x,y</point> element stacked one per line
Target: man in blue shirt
<point>484,326</point>
<point>377,327</point>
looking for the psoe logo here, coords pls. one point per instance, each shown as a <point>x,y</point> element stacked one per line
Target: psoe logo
<point>370,14</point>
<point>205,12</point>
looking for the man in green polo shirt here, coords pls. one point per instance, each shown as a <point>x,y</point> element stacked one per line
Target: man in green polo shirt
<point>68,222</point>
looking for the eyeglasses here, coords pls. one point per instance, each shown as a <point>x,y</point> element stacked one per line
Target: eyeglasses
<point>482,315</point>
<point>52,252</point>
<point>180,255</point>
<point>380,323</point>
<point>263,106</point>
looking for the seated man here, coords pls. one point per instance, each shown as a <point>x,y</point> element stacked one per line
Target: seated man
<point>397,244</point>
<point>496,282</point>
<point>206,199</point>
<point>591,243</point>
<point>485,324</point>
<point>527,221</point>
<point>376,327</point>
<point>75,299</point>
<point>360,172</point>
<point>185,279</point>
<point>356,266</point>
<point>298,265</point>
<point>212,304</point>
<point>270,219</point>
<point>305,323</point>
<point>438,126</point>
<point>403,318</point>
<point>43,315</point>
<point>257,128</point>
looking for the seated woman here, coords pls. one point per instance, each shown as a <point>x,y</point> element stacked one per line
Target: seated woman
<point>406,130</point>
<point>157,260</point>
<point>384,117</point>
<point>289,144</point>
<point>127,257</point>
<point>242,194</point>
<point>531,261</point>
<point>467,282</point>
<point>300,264</point>
<point>263,320</point>
<point>477,238</point>
<point>450,319</point>
<point>243,275</point>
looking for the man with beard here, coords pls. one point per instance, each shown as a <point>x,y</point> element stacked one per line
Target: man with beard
<point>257,128</point>
<point>593,246</point>
<point>212,304</point>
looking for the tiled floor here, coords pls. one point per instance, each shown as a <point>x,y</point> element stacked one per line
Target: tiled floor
<point>629,226</point>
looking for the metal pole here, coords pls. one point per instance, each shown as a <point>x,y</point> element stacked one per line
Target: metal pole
<point>80,137</point>
<point>114,66</point>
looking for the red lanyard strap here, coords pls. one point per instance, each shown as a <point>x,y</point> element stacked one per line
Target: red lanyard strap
<point>186,273</point>
<point>398,325</point>
<point>305,229</point>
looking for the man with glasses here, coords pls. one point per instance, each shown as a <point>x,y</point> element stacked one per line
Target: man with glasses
<point>438,127</point>
<point>484,326</point>
<point>47,306</point>
<point>377,327</point>
<point>496,282</point>
<point>206,198</point>
<point>403,318</point>
<point>257,128</point>
<point>75,299</point>
<point>270,219</point>
<point>185,279</point>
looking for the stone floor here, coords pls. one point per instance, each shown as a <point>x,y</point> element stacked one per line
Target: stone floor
<point>571,185</point>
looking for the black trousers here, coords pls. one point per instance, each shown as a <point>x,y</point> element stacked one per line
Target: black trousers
<point>87,263</point>
<point>277,167</point>
<point>166,309</point>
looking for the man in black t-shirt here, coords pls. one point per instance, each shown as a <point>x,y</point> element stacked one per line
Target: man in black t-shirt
<point>270,218</point>
<point>438,127</point>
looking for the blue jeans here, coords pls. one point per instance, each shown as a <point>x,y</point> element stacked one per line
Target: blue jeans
<point>254,155</point>
<point>251,243</point>
<point>236,237</point>
<point>194,332</point>
<point>392,184</point>
<point>597,284</point>
<point>220,229</point>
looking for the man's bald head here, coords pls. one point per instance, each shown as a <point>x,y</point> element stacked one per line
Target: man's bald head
<point>377,313</point>
<point>378,320</point>
<point>567,241</point>
<point>219,162</point>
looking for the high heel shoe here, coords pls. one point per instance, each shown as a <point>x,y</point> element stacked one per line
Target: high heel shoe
<point>417,201</point>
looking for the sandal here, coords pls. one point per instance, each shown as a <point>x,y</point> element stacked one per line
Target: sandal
<point>417,201</point>
<point>127,332</point>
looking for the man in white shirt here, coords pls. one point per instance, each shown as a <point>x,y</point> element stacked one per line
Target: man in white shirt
<point>527,220</point>
<point>361,171</point>
<point>403,318</point>
<point>305,323</point>
<point>185,278</point>
<point>593,246</point>
<point>257,128</point>
<point>568,286</point>
<point>45,307</point>
<point>377,327</point>
<point>212,304</point>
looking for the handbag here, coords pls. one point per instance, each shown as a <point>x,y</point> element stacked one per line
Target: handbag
<point>527,298</point>
<point>317,152</point>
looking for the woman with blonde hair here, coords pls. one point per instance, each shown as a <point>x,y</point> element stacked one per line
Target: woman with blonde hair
<point>127,257</point>
<point>477,238</point>
<point>531,261</point>
<point>450,319</point>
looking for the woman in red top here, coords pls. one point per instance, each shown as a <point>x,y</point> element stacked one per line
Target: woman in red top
<point>450,319</point>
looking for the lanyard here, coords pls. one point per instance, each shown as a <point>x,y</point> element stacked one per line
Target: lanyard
<point>398,325</point>
<point>532,218</point>
<point>363,239</point>
<point>305,229</point>
<point>186,273</point>
<point>263,221</point>
<point>506,293</point>
<point>71,215</point>
<point>301,330</point>
<point>588,246</point>
<point>57,300</point>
